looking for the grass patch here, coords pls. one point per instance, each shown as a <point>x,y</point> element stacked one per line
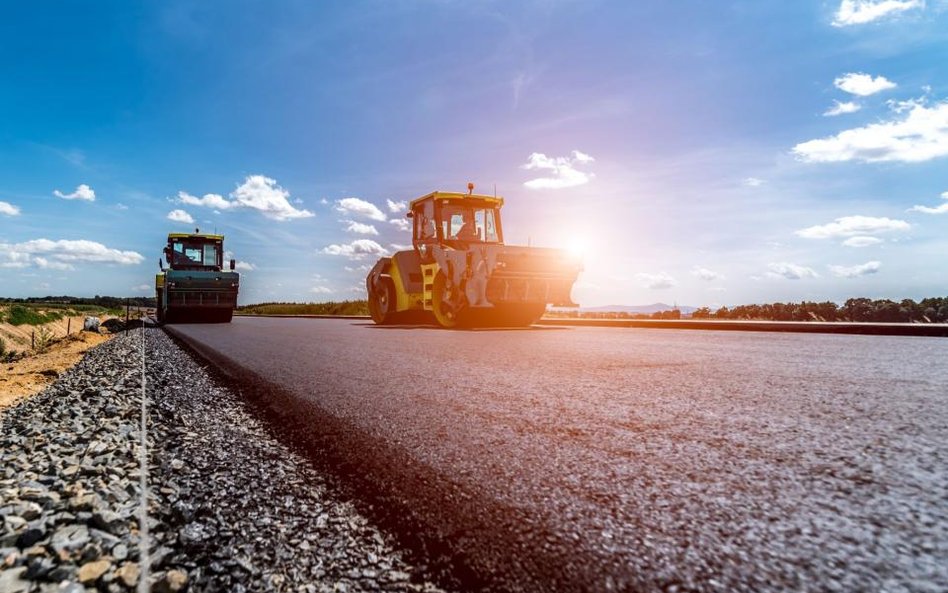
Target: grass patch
<point>330,308</point>
<point>22,315</point>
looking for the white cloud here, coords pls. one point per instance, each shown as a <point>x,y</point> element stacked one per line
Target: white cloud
<point>83,192</point>
<point>42,262</point>
<point>143,288</point>
<point>940,209</point>
<point>264,195</point>
<point>851,226</point>
<point>121,206</point>
<point>245,266</point>
<point>215,201</point>
<point>357,249</point>
<point>841,108</point>
<point>321,290</point>
<point>9,209</point>
<point>362,268</point>
<point>360,228</point>
<point>865,269</point>
<point>399,247</point>
<point>790,271</point>
<point>357,207</point>
<point>402,224</point>
<point>859,12</point>
<point>656,281</point>
<point>861,241</point>
<point>396,207</point>
<point>257,192</point>
<point>706,274</point>
<point>921,135</point>
<point>752,182</point>
<point>59,255</point>
<point>180,216</point>
<point>862,84</point>
<point>563,172</point>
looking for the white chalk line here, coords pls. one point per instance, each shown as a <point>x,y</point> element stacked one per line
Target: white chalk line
<point>144,545</point>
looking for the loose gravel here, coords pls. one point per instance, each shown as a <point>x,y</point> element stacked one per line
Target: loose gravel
<point>230,508</point>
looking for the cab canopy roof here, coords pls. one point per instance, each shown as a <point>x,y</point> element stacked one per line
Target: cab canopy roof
<point>198,236</point>
<point>446,195</point>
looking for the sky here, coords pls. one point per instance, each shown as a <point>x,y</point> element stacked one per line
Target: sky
<point>697,153</point>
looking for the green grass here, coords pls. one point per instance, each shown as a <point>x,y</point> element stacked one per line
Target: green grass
<point>22,315</point>
<point>330,308</point>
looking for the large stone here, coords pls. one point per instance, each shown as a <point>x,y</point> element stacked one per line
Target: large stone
<point>12,581</point>
<point>90,324</point>
<point>128,574</point>
<point>170,582</point>
<point>70,537</point>
<point>90,572</point>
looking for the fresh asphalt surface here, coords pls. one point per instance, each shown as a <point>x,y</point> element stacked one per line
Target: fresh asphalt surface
<point>624,459</point>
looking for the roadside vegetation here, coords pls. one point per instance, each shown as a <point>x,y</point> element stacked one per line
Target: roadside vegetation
<point>330,308</point>
<point>929,310</point>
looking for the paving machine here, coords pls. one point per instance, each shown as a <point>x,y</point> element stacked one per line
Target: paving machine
<point>460,272</point>
<point>195,287</point>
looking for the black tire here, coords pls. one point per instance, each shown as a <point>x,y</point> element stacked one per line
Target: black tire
<point>382,303</point>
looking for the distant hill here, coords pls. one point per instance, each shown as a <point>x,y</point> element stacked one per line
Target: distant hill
<point>638,309</point>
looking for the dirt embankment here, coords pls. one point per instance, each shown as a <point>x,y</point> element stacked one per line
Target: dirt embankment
<point>30,375</point>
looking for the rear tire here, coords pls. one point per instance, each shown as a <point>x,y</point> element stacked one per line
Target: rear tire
<point>382,303</point>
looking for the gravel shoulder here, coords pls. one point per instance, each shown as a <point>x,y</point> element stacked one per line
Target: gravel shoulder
<point>230,508</point>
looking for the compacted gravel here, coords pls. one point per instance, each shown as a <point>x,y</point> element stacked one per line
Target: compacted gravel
<point>231,509</point>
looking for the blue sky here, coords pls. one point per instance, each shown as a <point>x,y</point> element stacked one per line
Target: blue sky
<point>702,153</point>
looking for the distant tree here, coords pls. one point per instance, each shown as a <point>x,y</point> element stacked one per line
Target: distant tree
<point>701,313</point>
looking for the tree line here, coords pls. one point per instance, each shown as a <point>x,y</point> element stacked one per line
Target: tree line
<point>929,310</point>
<point>106,302</point>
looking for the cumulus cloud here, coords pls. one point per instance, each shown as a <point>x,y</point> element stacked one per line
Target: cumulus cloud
<point>257,192</point>
<point>143,288</point>
<point>321,290</point>
<point>357,249</point>
<point>656,281</point>
<point>43,263</point>
<point>83,192</point>
<point>790,271</point>
<point>562,171</point>
<point>358,207</point>
<point>245,266</point>
<point>841,108</point>
<point>399,246</point>
<point>852,226</point>
<point>862,84</point>
<point>865,269</point>
<point>861,241</point>
<point>179,215</point>
<point>920,135</point>
<point>360,228</point>
<point>752,182</point>
<point>396,207</point>
<point>264,195</point>
<point>939,209</point>
<point>215,201</point>
<point>401,223</point>
<point>9,209</point>
<point>860,12</point>
<point>60,255</point>
<point>706,274</point>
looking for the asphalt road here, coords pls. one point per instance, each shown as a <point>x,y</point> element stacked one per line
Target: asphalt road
<point>623,459</point>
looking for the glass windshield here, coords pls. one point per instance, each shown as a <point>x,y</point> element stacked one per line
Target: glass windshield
<point>463,223</point>
<point>195,254</point>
